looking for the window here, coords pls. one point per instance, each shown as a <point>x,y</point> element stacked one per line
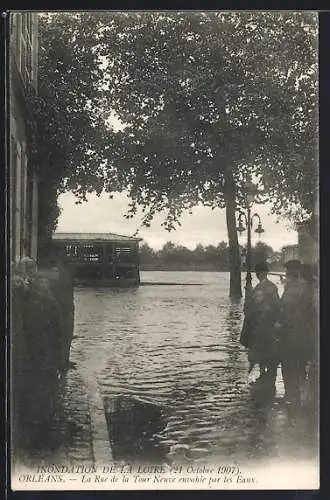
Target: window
<point>125,253</point>
<point>24,37</point>
<point>13,194</point>
<point>71,251</point>
<point>28,68</point>
<point>23,57</point>
<point>18,39</point>
<point>29,197</point>
<point>12,24</point>
<point>29,25</point>
<point>24,22</point>
<point>23,214</point>
<point>85,253</point>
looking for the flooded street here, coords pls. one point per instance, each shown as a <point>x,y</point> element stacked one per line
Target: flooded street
<point>178,346</point>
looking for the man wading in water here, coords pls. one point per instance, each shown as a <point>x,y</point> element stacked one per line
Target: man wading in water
<point>298,332</point>
<point>258,333</point>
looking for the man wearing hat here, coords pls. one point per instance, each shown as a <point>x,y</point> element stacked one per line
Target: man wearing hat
<point>259,334</point>
<point>296,341</point>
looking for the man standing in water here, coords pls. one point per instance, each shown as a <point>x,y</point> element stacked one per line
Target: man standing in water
<point>296,331</point>
<point>310,308</point>
<point>259,334</point>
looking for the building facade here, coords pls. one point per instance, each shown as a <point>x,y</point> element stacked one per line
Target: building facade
<point>23,185</point>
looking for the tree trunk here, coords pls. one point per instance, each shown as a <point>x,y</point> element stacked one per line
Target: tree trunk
<point>234,253</point>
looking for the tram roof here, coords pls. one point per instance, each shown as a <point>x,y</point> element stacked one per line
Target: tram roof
<point>81,237</point>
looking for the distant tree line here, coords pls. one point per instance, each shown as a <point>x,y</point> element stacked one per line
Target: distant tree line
<point>204,258</point>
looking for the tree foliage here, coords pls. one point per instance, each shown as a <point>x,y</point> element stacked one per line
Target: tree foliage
<point>206,99</point>
<point>201,93</point>
<point>196,91</point>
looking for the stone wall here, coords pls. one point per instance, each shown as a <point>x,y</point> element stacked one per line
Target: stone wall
<point>41,332</point>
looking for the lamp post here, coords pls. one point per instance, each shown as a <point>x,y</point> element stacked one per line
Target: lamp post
<point>250,192</point>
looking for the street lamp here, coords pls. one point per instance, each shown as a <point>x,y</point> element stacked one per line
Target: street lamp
<point>251,191</point>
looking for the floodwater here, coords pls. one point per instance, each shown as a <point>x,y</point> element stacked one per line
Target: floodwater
<point>178,347</point>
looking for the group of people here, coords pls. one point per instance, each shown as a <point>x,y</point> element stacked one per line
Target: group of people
<point>283,330</point>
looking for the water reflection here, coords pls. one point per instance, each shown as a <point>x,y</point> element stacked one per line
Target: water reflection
<point>233,329</point>
<point>178,348</point>
<point>134,426</point>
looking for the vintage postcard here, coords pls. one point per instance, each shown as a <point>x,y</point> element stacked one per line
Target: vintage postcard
<point>163,220</point>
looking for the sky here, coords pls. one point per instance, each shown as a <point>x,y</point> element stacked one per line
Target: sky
<point>104,215</point>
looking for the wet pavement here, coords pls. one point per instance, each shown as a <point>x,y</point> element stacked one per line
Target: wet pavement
<point>173,348</point>
<point>68,437</point>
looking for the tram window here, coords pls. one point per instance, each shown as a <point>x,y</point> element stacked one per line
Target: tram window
<point>125,253</point>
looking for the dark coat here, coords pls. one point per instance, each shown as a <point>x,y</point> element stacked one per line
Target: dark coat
<point>258,333</point>
<point>298,320</point>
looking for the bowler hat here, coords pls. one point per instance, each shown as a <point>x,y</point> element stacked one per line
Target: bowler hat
<point>261,267</point>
